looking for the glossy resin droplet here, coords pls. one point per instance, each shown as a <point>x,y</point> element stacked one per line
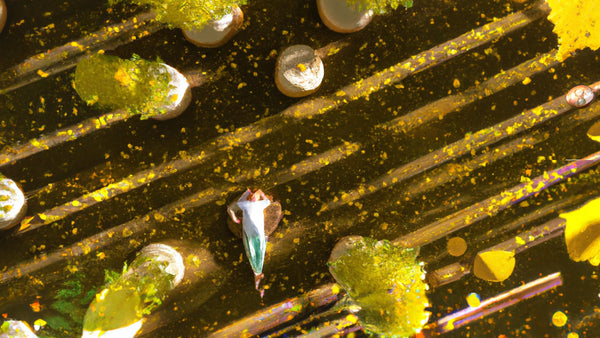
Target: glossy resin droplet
<point>299,71</point>
<point>13,204</point>
<point>218,32</point>
<point>180,95</point>
<point>340,17</point>
<point>580,96</point>
<point>2,14</point>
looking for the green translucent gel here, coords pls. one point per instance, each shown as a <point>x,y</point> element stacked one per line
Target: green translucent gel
<point>188,14</point>
<point>131,296</point>
<point>379,6</point>
<point>386,282</point>
<point>137,86</point>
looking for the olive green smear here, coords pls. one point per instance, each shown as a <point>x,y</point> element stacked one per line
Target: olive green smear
<point>127,298</point>
<point>137,86</point>
<point>188,14</point>
<point>379,6</point>
<point>386,282</point>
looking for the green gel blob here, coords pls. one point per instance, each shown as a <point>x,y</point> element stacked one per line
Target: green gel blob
<point>386,282</point>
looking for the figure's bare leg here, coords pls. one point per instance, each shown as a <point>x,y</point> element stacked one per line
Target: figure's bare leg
<point>257,279</point>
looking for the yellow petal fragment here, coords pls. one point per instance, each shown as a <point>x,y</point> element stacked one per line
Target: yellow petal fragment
<point>494,266</point>
<point>582,232</point>
<point>576,23</point>
<point>594,132</point>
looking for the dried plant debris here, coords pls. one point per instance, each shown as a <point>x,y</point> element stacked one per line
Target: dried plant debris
<point>582,232</point>
<point>385,281</point>
<point>577,24</point>
<point>68,309</point>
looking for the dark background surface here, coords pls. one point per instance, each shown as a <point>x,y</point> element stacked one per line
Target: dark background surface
<point>246,93</point>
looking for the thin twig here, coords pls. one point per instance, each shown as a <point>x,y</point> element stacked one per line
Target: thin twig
<point>536,215</point>
<point>517,244</point>
<point>169,211</point>
<point>279,313</point>
<point>494,304</point>
<point>383,79</point>
<point>34,146</point>
<point>437,110</point>
<point>495,204</point>
<point>471,142</point>
<point>68,55</point>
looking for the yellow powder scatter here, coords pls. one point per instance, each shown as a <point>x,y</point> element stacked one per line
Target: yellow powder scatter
<point>559,319</point>
<point>159,217</point>
<point>526,81</point>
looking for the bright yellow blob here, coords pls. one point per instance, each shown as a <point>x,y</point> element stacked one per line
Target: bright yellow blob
<point>494,266</point>
<point>559,319</point>
<point>473,299</point>
<point>582,232</point>
<point>576,23</point>
<point>594,132</point>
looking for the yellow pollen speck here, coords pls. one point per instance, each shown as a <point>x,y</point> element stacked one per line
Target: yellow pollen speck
<point>301,67</point>
<point>559,319</point>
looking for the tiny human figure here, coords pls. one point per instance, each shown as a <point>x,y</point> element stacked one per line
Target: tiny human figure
<point>252,206</point>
